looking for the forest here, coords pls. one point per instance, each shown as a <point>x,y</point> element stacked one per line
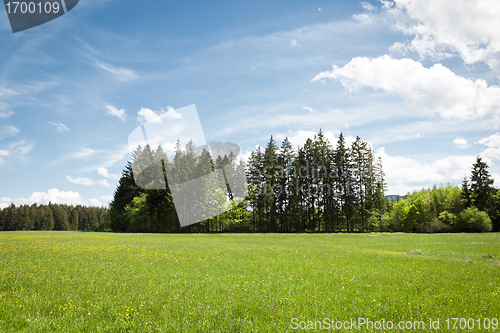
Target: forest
<point>317,187</point>
<point>52,217</point>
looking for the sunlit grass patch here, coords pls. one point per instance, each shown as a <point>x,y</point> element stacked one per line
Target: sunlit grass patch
<point>72,281</point>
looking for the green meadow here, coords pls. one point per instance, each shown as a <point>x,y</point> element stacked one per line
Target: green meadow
<point>110,282</point>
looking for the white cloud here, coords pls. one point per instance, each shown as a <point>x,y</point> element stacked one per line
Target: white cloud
<point>493,144</point>
<point>104,158</point>
<point>81,153</point>
<point>89,182</point>
<point>367,6</point>
<point>122,74</point>
<point>469,28</point>
<point>362,18</point>
<point>435,90</point>
<point>148,115</point>
<point>245,156</point>
<point>53,195</point>
<point>311,110</point>
<point>121,114</point>
<point>4,114</point>
<point>17,150</point>
<point>5,202</point>
<point>118,155</point>
<point>492,141</point>
<point>299,138</point>
<point>21,148</point>
<point>461,143</point>
<point>60,127</point>
<point>107,198</point>
<point>7,92</point>
<point>8,131</point>
<point>104,172</point>
<point>294,43</point>
<point>404,174</point>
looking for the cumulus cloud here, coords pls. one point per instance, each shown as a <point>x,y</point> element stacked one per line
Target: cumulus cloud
<point>60,127</point>
<point>294,43</point>
<point>89,182</point>
<point>107,198</point>
<point>491,141</point>
<point>434,90</point>
<point>461,143</point>
<point>469,28</point>
<point>121,113</point>
<point>5,202</point>
<point>311,110</point>
<point>245,156</point>
<point>3,154</point>
<point>53,195</point>
<point>299,138</point>
<point>404,174</point>
<point>148,115</point>
<point>362,18</point>
<point>492,152</point>
<point>367,6</point>
<point>104,172</point>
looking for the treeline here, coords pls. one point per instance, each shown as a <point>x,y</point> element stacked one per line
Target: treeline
<point>318,187</point>
<point>473,207</point>
<point>150,207</point>
<point>52,217</point>
<point>315,188</point>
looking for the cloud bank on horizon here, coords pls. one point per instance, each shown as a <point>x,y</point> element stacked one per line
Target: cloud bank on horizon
<point>437,30</point>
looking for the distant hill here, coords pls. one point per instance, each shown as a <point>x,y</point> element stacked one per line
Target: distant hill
<point>395,196</point>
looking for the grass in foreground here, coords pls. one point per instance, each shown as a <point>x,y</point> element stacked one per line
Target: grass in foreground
<point>100,282</point>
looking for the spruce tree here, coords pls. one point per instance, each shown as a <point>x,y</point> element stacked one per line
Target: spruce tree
<point>481,189</point>
<point>345,181</point>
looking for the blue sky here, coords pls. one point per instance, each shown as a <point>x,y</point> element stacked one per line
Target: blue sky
<point>418,80</point>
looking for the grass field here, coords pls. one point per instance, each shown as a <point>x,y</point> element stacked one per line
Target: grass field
<point>104,282</point>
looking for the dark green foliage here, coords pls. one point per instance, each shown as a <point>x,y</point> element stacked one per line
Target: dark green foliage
<point>60,217</point>
<point>124,194</point>
<point>447,208</point>
<point>10,218</point>
<point>316,188</point>
<point>45,219</point>
<point>481,185</point>
<point>149,207</point>
<point>431,210</point>
<point>73,219</point>
<point>473,220</point>
<point>52,217</point>
<point>478,191</point>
